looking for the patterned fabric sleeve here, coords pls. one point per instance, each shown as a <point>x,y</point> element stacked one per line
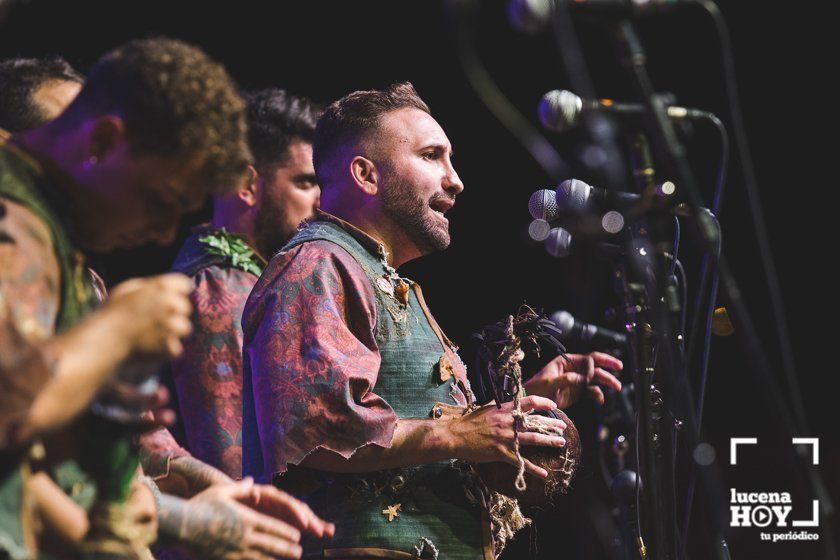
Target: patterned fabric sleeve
<point>309,339</point>
<point>208,376</point>
<point>157,449</point>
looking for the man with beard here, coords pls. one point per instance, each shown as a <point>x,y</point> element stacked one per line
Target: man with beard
<point>353,396</point>
<point>225,258</point>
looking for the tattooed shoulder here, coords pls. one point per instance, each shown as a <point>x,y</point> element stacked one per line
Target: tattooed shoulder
<point>30,277</point>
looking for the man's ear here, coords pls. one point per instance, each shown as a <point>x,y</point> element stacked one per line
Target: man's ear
<point>247,190</point>
<point>106,133</point>
<point>365,175</point>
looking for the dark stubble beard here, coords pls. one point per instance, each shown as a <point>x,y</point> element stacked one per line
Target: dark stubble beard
<point>414,216</point>
<point>269,224</point>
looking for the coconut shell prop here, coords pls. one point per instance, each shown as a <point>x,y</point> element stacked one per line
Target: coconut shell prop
<point>502,347</point>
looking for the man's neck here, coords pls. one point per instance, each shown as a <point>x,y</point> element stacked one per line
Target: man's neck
<point>398,247</point>
<point>235,223</point>
<point>44,148</point>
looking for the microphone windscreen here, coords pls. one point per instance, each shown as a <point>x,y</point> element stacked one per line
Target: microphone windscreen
<point>573,196</point>
<point>559,109</point>
<point>538,230</point>
<point>558,243</point>
<point>543,205</point>
<point>529,16</point>
<point>564,321</point>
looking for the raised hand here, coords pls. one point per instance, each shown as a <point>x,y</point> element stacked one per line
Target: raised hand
<point>153,313</point>
<point>567,378</point>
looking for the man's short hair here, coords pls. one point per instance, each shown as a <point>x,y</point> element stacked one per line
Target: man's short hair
<point>20,79</point>
<point>174,100</point>
<point>276,119</point>
<point>355,118</point>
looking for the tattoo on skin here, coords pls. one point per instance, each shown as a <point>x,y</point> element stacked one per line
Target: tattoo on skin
<point>210,528</point>
<point>198,475</point>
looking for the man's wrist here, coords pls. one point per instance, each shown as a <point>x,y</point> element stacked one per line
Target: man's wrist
<point>443,439</point>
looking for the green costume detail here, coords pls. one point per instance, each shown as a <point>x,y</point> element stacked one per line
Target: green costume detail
<point>234,249</point>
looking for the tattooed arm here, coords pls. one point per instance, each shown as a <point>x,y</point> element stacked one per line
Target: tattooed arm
<point>47,380</point>
<point>214,524</point>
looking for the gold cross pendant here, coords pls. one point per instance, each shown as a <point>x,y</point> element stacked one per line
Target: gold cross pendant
<point>391,511</point>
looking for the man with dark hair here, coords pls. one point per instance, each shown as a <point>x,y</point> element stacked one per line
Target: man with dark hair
<point>35,91</point>
<point>157,127</point>
<point>353,396</point>
<point>225,258</point>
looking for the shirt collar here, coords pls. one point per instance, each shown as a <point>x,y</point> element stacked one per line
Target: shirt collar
<point>367,241</point>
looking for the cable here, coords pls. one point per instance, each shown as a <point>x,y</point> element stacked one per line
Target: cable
<point>496,102</point>
<point>751,186</point>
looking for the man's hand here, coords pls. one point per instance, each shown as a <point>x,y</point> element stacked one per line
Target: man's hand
<point>153,313</point>
<point>216,524</point>
<point>486,434</point>
<point>276,503</point>
<point>566,379</point>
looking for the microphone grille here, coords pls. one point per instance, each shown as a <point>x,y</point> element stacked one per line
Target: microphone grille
<point>558,243</point>
<point>529,16</point>
<point>543,205</point>
<point>559,109</point>
<point>573,195</point>
<point>564,321</point>
<point>539,230</point>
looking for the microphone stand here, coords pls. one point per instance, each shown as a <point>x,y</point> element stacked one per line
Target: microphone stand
<point>667,143</point>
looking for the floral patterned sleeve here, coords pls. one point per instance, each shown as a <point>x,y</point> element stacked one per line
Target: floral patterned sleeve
<point>208,376</point>
<point>310,346</point>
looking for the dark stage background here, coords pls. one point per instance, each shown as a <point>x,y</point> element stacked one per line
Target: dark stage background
<point>326,49</point>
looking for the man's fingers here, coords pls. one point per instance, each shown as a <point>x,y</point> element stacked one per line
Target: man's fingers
<point>274,547</point>
<point>539,472</point>
<point>543,440</point>
<point>176,282</point>
<point>268,525</point>
<point>588,368</point>
<point>239,490</point>
<point>272,501</point>
<point>174,347</point>
<point>545,421</point>
<point>179,326</point>
<point>534,402</point>
<point>128,286</point>
<point>596,393</point>
<point>605,378</point>
<point>607,361</point>
<point>180,306</point>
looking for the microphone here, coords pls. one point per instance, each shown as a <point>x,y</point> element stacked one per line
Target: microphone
<point>543,205</point>
<point>571,329</point>
<point>573,195</point>
<point>561,110</point>
<point>558,242</point>
<point>532,16</point>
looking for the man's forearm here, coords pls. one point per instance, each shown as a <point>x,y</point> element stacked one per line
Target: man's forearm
<point>416,441</point>
<point>82,358</point>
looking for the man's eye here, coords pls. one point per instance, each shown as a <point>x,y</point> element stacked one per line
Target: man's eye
<point>429,155</point>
